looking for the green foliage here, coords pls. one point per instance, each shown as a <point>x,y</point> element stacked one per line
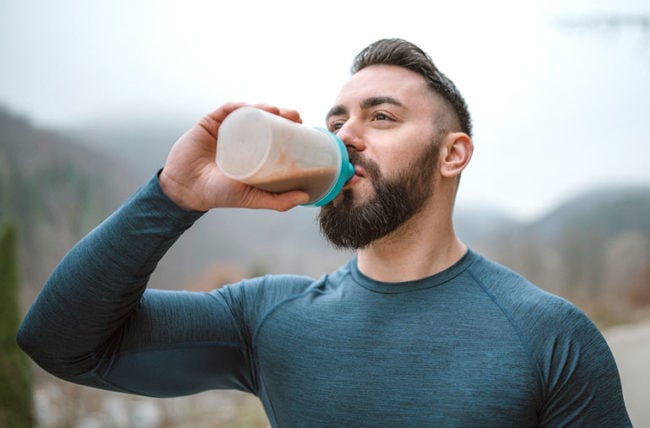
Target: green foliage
<point>15,374</point>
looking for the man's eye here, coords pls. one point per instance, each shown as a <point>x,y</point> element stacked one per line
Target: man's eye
<point>335,126</point>
<point>381,116</point>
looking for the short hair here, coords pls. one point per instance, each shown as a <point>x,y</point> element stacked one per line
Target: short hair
<point>405,54</point>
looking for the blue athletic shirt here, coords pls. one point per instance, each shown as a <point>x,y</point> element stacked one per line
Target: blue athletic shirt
<point>474,345</point>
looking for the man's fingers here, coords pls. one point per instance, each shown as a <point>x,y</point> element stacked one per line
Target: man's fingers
<point>290,114</point>
<point>278,201</point>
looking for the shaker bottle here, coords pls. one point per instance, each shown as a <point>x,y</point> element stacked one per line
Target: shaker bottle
<point>276,154</point>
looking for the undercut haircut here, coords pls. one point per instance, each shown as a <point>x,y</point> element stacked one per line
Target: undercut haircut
<point>405,54</point>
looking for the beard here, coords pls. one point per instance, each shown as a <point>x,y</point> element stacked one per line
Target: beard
<point>395,201</point>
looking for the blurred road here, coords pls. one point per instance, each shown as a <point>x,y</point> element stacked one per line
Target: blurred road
<point>631,347</point>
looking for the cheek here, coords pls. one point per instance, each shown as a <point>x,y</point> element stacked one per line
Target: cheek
<point>410,138</point>
<point>395,150</point>
<point>400,159</point>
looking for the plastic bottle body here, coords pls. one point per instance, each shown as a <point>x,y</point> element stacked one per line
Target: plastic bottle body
<point>275,154</point>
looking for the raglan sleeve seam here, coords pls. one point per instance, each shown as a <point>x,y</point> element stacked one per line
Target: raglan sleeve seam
<point>523,338</point>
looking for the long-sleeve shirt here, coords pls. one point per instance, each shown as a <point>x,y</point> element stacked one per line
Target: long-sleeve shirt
<point>474,345</point>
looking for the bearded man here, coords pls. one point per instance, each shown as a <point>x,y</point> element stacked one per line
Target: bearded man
<point>414,330</point>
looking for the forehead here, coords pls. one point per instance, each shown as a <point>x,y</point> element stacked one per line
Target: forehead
<point>407,86</point>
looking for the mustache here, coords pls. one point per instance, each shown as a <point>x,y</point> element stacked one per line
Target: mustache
<point>368,165</point>
<point>356,158</point>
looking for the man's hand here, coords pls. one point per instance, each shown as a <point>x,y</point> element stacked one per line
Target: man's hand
<point>192,179</point>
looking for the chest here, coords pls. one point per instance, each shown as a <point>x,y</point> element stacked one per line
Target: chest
<point>395,359</point>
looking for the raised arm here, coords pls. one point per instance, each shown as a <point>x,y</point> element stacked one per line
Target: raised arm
<point>94,323</point>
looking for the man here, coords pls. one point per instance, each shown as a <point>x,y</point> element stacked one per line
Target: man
<point>415,330</point>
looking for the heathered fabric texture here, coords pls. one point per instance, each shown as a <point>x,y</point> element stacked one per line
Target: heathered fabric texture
<point>475,345</point>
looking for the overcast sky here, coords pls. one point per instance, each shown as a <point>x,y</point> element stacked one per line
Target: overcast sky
<point>557,109</point>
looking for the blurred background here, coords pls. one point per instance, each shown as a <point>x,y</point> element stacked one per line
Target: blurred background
<point>94,94</point>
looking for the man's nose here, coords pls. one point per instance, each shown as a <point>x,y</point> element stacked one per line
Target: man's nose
<point>352,136</point>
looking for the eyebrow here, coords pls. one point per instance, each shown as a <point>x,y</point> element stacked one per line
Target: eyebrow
<point>365,104</point>
<point>375,101</point>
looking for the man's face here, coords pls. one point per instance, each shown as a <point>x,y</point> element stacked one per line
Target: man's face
<point>385,116</point>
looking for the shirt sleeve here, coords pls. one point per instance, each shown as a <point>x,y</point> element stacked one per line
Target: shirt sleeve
<point>582,383</point>
<point>95,323</point>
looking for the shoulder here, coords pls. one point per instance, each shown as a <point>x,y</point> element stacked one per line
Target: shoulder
<point>254,298</point>
<point>519,298</point>
<point>572,358</point>
<point>546,323</point>
<point>265,290</point>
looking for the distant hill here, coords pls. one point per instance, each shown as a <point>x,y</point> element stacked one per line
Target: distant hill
<point>59,185</point>
<point>594,248</point>
<point>596,244</point>
<point>55,189</point>
<point>140,144</point>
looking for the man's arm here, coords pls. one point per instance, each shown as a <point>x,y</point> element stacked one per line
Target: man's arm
<point>93,322</point>
<point>582,384</point>
<point>92,325</point>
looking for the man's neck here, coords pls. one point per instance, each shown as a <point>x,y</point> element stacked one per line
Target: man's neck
<point>425,245</point>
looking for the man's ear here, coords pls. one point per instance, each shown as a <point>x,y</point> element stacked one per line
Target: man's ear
<point>455,153</point>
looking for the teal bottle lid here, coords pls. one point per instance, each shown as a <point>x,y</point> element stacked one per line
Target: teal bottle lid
<point>345,172</point>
